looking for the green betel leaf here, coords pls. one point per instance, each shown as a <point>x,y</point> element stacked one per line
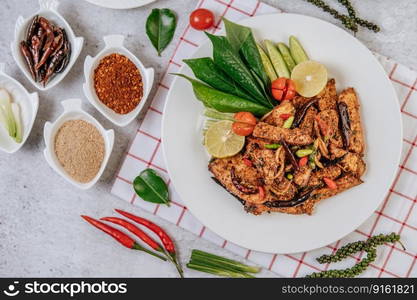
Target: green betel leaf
<point>224,102</point>
<point>206,70</point>
<point>230,62</point>
<point>151,187</point>
<point>160,28</point>
<point>242,40</point>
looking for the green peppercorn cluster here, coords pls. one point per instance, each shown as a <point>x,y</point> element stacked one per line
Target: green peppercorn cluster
<point>369,246</point>
<point>351,20</point>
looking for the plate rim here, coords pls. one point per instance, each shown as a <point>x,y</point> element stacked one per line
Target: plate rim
<point>113,4</point>
<point>344,232</point>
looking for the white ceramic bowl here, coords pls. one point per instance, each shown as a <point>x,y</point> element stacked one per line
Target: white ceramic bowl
<point>48,9</point>
<point>114,44</point>
<point>73,111</point>
<point>28,104</point>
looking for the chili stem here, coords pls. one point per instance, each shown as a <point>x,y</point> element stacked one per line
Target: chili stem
<point>173,259</point>
<point>136,246</point>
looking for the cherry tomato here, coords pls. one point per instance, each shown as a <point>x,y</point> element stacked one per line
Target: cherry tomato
<point>289,95</point>
<point>242,129</point>
<point>283,89</point>
<point>290,85</point>
<point>303,161</point>
<point>330,183</point>
<point>201,19</point>
<point>245,117</point>
<point>261,193</point>
<point>277,94</point>
<point>247,162</point>
<point>279,84</point>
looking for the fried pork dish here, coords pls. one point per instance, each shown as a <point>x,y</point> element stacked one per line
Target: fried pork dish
<point>289,170</point>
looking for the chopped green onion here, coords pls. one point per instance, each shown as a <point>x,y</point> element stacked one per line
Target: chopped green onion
<point>288,122</point>
<point>304,152</point>
<point>272,146</point>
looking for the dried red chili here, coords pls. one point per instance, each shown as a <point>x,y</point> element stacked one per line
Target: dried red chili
<point>118,83</point>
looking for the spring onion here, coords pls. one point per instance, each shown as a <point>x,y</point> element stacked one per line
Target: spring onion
<point>217,265</point>
<point>10,116</point>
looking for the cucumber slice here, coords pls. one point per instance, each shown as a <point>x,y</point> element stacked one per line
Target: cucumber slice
<point>214,114</point>
<point>277,60</point>
<point>297,51</point>
<point>269,68</point>
<point>286,55</point>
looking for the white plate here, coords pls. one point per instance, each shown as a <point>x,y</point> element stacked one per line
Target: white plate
<point>28,104</point>
<point>114,44</point>
<point>351,64</point>
<point>74,111</point>
<point>120,4</point>
<point>49,10</point>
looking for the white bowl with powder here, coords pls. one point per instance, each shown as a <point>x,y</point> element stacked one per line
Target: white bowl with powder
<point>73,111</point>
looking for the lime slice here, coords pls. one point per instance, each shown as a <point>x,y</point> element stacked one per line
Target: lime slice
<point>310,78</point>
<point>221,141</point>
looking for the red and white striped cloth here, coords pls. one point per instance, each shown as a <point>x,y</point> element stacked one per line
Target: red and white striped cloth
<point>398,213</point>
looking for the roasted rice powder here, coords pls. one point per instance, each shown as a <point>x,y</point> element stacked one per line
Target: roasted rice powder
<point>118,83</point>
<point>79,147</point>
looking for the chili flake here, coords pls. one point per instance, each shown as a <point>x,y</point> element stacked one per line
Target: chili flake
<point>118,83</point>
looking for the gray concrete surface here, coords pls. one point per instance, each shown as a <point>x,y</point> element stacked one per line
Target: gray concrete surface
<point>41,233</point>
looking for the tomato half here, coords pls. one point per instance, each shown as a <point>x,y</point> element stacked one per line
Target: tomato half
<point>242,129</point>
<point>245,117</point>
<point>283,89</point>
<point>201,19</point>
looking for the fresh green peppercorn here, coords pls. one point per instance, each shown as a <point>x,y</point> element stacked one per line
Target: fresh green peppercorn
<point>350,21</point>
<point>369,246</point>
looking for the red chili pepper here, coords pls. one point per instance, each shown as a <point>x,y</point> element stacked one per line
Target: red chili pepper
<point>121,237</point>
<point>303,161</point>
<point>136,231</point>
<point>285,116</point>
<point>165,238</point>
<point>247,162</point>
<point>261,193</point>
<point>330,183</point>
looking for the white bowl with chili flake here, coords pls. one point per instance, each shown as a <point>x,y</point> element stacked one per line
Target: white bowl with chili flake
<point>74,111</point>
<point>49,10</point>
<point>114,47</point>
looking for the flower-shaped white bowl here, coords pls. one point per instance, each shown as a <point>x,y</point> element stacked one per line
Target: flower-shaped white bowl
<point>28,104</point>
<point>73,111</point>
<point>114,44</point>
<point>48,9</point>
